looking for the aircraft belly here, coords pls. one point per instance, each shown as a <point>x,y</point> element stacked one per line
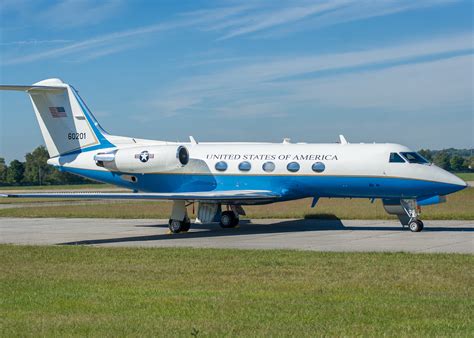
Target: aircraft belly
<point>290,187</point>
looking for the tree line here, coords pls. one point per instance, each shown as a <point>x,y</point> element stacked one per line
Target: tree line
<point>454,160</point>
<point>35,171</point>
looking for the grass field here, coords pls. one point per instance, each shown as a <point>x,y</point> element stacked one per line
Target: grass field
<point>98,186</point>
<point>459,206</point>
<point>466,176</point>
<point>86,291</point>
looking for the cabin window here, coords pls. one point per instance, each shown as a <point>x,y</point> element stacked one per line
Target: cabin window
<point>395,158</point>
<point>245,166</point>
<point>293,167</point>
<point>221,166</point>
<point>413,157</point>
<point>318,167</point>
<point>268,167</point>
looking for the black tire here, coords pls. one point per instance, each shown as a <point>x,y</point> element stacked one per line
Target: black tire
<point>175,226</point>
<point>236,221</point>
<point>228,220</point>
<point>186,225</point>
<point>420,223</point>
<point>415,226</point>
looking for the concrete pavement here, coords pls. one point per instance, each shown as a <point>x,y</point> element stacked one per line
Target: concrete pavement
<point>317,235</point>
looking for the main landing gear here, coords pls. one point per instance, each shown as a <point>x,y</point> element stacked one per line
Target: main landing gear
<point>180,222</point>
<point>177,226</point>
<point>229,219</point>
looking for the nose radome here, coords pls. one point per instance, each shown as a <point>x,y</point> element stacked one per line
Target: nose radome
<point>453,179</point>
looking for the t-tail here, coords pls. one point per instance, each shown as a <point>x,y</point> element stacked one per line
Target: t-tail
<point>66,123</point>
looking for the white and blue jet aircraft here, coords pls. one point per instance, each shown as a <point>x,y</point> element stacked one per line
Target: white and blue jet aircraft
<point>229,174</point>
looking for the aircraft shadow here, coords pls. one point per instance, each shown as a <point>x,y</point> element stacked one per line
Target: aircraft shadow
<point>254,228</point>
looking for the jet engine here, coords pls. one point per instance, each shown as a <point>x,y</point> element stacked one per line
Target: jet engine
<point>143,159</point>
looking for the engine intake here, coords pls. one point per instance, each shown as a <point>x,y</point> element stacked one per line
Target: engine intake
<point>183,155</point>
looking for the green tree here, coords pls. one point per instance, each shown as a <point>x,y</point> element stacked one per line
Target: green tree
<point>443,159</point>
<point>60,177</point>
<point>15,172</point>
<point>458,163</point>
<point>470,163</point>
<point>36,168</point>
<point>3,171</point>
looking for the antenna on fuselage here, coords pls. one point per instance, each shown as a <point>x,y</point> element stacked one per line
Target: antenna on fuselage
<point>342,139</point>
<point>192,140</point>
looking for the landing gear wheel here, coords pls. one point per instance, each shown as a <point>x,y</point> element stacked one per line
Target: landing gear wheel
<point>229,220</point>
<point>176,226</point>
<point>420,223</point>
<point>186,225</point>
<point>416,226</point>
<point>236,221</point>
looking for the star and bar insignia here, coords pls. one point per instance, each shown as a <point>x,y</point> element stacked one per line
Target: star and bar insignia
<point>144,156</point>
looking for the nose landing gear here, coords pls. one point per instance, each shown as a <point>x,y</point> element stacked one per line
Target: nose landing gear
<point>416,226</point>
<point>407,212</point>
<point>412,212</point>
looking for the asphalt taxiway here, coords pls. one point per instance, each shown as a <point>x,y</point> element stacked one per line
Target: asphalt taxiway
<point>317,235</point>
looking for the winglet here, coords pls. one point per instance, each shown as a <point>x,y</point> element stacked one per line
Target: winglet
<point>343,139</point>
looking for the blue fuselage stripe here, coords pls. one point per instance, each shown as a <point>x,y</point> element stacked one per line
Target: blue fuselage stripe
<point>290,187</point>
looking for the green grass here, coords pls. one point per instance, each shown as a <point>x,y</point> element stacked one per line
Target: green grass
<point>466,176</point>
<point>86,291</point>
<point>98,186</point>
<point>459,206</point>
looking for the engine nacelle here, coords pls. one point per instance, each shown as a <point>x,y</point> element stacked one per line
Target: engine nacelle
<point>158,158</point>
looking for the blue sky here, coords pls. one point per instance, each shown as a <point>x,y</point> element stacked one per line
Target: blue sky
<point>384,71</point>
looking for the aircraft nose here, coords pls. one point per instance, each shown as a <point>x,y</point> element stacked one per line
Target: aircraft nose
<point>456,182</point>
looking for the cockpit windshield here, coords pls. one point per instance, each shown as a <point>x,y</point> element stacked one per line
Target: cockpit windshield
<point>395,158</point>
<point>413,157</point>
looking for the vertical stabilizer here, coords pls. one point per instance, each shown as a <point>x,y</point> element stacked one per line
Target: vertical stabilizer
<point>66,123</point>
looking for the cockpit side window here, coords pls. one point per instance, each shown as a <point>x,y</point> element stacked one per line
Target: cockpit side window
<point>413,157</point>
<point>395,158</point>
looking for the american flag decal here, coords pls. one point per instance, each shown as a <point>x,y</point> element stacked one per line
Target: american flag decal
<point>57,112</point>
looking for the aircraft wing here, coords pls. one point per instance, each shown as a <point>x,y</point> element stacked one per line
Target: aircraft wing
<point>217,196</point>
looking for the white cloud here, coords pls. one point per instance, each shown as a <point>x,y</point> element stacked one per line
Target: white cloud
<point>98,42</point>
<point>121,39</point>
<point>268,19</point>
<point>75,13</point>
<point>230,21</point>
<point>34,42</point>
<point>428,87</point>
<point>302,15</point>
<point>273,80</point>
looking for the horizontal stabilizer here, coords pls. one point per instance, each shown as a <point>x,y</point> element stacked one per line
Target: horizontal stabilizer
<point>220,196</point>
<point>31,87</point>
